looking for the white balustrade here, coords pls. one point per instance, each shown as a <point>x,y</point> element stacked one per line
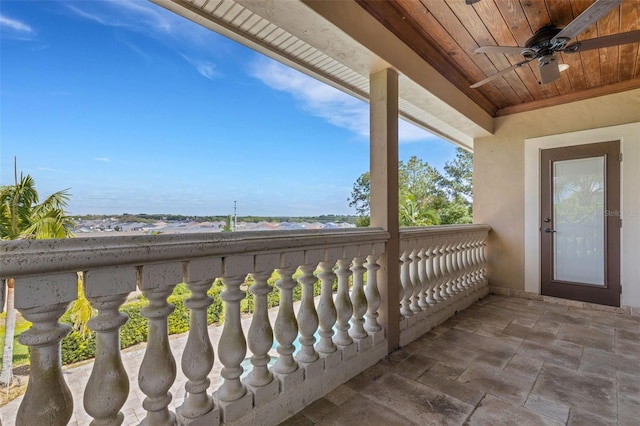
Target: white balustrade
<point>442,271</point>
<point>442,268</point>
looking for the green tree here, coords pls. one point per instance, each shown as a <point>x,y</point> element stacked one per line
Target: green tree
<point>23,216</point>
<point>426,196</point>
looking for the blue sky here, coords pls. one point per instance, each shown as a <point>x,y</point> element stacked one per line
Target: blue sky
<point>138,110</point>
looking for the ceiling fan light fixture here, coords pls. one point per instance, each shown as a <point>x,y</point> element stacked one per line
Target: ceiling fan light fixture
<point>563,67</point>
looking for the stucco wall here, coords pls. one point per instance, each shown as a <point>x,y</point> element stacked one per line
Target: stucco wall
<point>499,175</point>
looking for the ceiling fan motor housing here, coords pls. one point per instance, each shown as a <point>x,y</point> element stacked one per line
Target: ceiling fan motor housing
<point>541,42</point>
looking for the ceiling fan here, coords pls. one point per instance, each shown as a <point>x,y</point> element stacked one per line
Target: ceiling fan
<point>549,40</point>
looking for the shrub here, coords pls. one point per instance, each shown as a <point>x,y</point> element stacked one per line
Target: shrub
<point>76,348</point>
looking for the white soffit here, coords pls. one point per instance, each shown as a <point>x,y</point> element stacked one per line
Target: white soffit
<point>292,33</point>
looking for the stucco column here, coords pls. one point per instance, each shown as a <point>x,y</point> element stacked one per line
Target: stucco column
<point>383,102</point>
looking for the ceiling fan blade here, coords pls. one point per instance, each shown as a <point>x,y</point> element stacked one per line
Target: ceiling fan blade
<point>509,50</point>
<point>604,41</point>
<point>498,74</point>
<point>594,12</point>
<point>549,71</point>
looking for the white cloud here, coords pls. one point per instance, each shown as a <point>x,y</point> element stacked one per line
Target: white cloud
<point>148,19</point>
<point>15,29</point>
<point>103,159</point>
<point>319,99</point>
<point>15,25</point>
<point>206,68</point>
<point>322,100</point>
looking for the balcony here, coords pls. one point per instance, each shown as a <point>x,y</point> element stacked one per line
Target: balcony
<point>296,354</point>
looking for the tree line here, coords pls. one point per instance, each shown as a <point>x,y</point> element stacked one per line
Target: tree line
<point>426,196</point>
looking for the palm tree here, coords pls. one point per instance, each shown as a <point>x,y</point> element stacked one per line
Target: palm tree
<point>22,216</point>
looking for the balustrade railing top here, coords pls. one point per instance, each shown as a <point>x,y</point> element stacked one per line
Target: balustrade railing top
<point>34,257</point>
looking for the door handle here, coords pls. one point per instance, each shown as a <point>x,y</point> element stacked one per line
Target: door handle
<point>549,230</point>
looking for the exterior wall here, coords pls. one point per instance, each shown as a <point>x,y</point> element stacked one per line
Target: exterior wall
<point>506,194</point>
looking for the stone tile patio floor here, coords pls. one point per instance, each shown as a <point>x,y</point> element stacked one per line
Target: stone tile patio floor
<point>503,361</point>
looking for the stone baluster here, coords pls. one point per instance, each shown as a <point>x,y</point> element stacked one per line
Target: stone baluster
<point>483,261</point>
<point>429,273</point>
<point>465,264</point>
<point>358,299</point>
<point>414,278</point>
<point>48,400</point>
<point>477,269</point>
<point>232,346</point>
<point>307,316</point>
<point>108,385</point>
<point>198,355</point>
<point>327,313</point>
<point>260,334</point>
<point>407,289</point>
<point>158,368</point>
<point>451,275</point>
<point>373,295</point>
<point>343,304</point>
<point>422,278</point>
<point>444,273</point>
<point>437,275</point>
<point>457,267</point>
<point>286,325</point>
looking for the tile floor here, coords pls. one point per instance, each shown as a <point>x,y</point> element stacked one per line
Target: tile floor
<point>503,361</point>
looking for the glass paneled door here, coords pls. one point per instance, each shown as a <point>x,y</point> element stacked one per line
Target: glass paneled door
<point>580,223</point>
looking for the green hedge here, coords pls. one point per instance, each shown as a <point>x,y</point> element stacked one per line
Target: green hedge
<point>76,347</point>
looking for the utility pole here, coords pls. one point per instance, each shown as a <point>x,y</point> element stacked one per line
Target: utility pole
<point>235,216</point>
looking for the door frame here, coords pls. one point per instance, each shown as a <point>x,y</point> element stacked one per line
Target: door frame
<point>630,147</point>
<point>609,293</point>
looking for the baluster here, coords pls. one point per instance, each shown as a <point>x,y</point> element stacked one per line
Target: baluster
<point>108,385</point>
<point>358,299</point>
<point>430,275</point>
<point>477,263</point>
<point>457,267</point>
<point>48,400</point>
<point>232,346</point>
<point>373,295</point>
<point>260,334</point>
<point>327,313</point>
<point>158,369</point>
<point>483,261</point>
<point>437,275</point>
<point>407,289</point>
<point>198,355</point>
<point>422,279</point>
<point>451,278</point>
<point>444,273</point>
<point>415,280</point>
<point>464,261</point>
<point>343,304</point>
<point>286,326</point>
<point>307,316</point>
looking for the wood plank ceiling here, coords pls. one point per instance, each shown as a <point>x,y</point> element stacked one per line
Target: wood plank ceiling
<point>445,33</point>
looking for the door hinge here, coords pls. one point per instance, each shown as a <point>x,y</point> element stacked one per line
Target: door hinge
<point>620,157</point>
